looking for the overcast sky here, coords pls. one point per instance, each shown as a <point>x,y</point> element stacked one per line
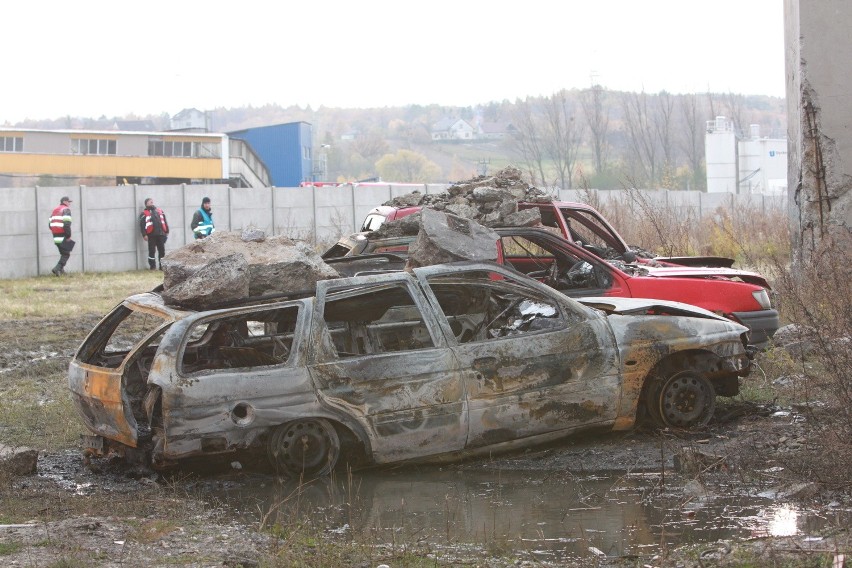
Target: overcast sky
<point>93,58</point>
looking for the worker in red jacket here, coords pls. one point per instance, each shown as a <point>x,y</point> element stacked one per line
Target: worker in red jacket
<point>60,228</point>
<point>155,230</point>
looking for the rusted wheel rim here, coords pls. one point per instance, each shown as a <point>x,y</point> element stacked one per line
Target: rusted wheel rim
<point>308,447</point>
<point>687,400</point>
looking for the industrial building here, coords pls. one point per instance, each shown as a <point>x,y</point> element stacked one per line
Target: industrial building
<point>286,149</point>
<point>111,157</point>
<point>743,164</point>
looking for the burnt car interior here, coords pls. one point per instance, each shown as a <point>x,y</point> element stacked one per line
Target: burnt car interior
<point>483,305</point>
<point>478,306</point>
<point>263,337</point>
<point>556,268</point>
<point>379,319</point>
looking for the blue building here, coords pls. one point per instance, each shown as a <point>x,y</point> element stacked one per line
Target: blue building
<point>285,150</point>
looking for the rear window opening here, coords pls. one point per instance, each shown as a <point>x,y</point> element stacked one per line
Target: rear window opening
<point>119,333</point>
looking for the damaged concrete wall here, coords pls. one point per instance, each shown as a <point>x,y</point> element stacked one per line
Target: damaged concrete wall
<point>819,109</point>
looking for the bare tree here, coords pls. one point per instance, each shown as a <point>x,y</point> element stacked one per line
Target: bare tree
<point>711,101</point>
<point>641,134</point>
<point>372,146</point>
<point>597,119</point>
<point>691,139</point>
<point>528,140</point>
<point>735,105</point>
<point>562,136</point>
<point>662,122</point>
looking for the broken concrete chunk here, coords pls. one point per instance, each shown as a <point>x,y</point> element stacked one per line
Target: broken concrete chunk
<point>219,280</point>
<point>444,237</point>
<point>253,235</point>
<point>18,461</point>
<point>232,266</point>
<point>483,194</point>
<point>525,218</point>
<point>293,269</point>
<point>410,199</point>
<point>480,197</point>
<point>463,210</point>
<point>408,225</point>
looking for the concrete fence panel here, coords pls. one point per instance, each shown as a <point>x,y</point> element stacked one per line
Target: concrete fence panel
<point>251,208</point>
<point>105,219</point>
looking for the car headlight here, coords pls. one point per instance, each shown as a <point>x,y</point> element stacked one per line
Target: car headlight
<point>762,297</point>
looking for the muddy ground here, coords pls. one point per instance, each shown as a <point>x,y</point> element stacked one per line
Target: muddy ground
<point>112,514</point>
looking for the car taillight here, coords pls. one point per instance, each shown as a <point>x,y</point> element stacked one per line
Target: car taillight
<point>762,297</point>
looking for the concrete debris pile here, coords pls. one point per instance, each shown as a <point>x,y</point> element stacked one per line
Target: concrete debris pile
<point>231,266</point>
<point>444,237</point>
<point>490,201</point>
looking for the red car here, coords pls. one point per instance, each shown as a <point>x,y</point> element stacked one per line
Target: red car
<point>577,222</point>
<point>539,253</point>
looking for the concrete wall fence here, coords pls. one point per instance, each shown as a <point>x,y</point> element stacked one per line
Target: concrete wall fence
<point>108,239</point>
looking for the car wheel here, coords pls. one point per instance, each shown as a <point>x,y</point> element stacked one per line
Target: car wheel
<point>308,448</point>
<point>683,400</point>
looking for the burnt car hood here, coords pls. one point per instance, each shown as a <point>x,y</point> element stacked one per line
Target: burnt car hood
<point>645,306</point>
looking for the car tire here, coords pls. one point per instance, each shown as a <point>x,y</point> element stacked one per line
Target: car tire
<point>684,399</point>
<point>304,448</point>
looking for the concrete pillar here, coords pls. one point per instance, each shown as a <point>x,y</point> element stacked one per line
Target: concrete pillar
<point>819,118</point>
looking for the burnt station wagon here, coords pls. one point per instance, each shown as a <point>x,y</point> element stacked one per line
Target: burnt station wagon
<point>441,363</point>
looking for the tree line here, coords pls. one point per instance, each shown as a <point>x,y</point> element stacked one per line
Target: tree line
<point>600,138</point>
<point>592,137</point>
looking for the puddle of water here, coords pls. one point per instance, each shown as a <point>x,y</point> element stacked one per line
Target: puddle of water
<point>548,516</point>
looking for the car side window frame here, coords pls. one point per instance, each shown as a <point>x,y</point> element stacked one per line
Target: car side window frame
<point>323,349</point>
<point>568,312</point>
<point>294,357</point>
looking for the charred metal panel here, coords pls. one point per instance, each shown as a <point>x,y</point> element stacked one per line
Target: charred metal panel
<point>410,403</point>
<point>100,402</point>
<point>647,340</point>
<point>540,382</point>
<point>239,422</point>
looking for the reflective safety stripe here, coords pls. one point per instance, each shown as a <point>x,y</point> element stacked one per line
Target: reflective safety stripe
<point>206,229</point>
<point>58,240</point>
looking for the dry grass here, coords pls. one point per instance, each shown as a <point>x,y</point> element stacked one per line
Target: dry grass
<point>816,295</point>
<point>753,237</point>
<point>51,297</point>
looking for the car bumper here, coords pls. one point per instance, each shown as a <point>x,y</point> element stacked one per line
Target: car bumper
<point>761,324</point>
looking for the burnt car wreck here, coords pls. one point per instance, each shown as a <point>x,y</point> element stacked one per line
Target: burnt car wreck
<point>440,363</point>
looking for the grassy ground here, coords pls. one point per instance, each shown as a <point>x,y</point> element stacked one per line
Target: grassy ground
<point>44,320</point>
<point>75,293</point>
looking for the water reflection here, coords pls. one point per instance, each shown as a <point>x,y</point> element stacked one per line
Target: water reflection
<point>545,514</point>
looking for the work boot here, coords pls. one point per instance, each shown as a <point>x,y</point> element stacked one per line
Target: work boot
<point>57,270</point>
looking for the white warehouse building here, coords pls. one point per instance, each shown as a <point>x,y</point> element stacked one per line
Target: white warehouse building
<point>741,165</point>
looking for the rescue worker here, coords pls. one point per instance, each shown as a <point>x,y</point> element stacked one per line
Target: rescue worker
<point>60,228</point>
<point>202,220</point>
<point>155,230</point>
